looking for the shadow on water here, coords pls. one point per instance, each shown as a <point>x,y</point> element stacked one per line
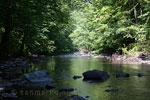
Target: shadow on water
<point>132,88</point>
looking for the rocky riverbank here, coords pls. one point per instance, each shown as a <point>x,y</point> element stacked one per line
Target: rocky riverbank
<point>12,75</point>
<point>138,58</point>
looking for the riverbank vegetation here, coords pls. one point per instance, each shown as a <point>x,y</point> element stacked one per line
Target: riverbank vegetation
<point>60,26</point>
<point>113,25</point>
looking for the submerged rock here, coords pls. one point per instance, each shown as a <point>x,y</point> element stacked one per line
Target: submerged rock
<point>66,89</point>
<point>95,75</point>
<point>76,97</point>
<point>38,76</point>
<point>77,77</point>
<point>65,77</point>
<point>59,70</point>
<point>111,90</point>
<point>37,85</point>
<point>108,86</point>
<point>50,86</point>
<point>122,75</point>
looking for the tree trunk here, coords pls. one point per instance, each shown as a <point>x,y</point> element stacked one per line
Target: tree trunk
<point>135,14</point>
<point>22,45</point>
<point>4,45</point>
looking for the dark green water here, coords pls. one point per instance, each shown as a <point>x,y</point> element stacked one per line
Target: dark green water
<point>132,88</point>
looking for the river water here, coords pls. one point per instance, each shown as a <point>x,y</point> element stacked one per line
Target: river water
<point>62,68</point>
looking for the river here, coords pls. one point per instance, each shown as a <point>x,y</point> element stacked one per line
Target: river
<point>62,68</point>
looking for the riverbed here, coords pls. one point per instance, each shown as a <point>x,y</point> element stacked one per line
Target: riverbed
<point>63,68</point>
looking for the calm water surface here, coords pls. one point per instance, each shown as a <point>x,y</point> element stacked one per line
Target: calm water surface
<point>132,88</point>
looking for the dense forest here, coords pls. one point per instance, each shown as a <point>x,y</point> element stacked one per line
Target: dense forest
<point>59,26</point>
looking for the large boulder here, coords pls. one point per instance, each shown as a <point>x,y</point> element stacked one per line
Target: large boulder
<point>38,76</point>
<point>95,75</point>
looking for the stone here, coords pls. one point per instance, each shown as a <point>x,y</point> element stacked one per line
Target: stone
<point>36,66</point>
<point>59,70</point>
<point>87,96</point>
<point>38,79</point>
<point>11,75</point>
<point>95,75</point>
<point>50,86</point>
<point>2,90</point>
<point>139,74</point>
<point>122,75</point>
<point>6,84</point>
<point>19,83</point>
<point>35,56</point>
<point>66,89</point>
<point>38,76</point>
<point>77,77</point>
<point>37,85</point>
<point>65,77</point>
<point>111,90</point>
<point>17,80</point>
<point>83,51</point>
<point>141,55</point>
<point>9,95</point>
<point>76,97</point>
<point>108,86</point>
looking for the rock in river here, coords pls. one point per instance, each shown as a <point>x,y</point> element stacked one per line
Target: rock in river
<point>77,77</point>
<point>38,76</point>
<point>111,90</point>
<point>122,75</point>
<point>9,96</point>
<point>95,75</point>
<point>76,97</point>
<point>66,89</point>
<point>50,86</point>
<point>139,74</point>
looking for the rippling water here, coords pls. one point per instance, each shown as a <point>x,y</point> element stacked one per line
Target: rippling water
<point>62,68</point>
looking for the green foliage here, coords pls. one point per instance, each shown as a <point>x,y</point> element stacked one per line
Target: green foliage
<point>109,26</point>
<point>58,26</point>
<point>37,27</point>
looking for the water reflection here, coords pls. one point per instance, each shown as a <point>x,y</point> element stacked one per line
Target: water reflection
<point>132,88</point>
